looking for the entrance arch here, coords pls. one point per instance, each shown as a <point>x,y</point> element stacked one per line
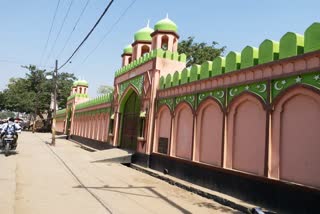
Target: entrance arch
<point>130,109</point>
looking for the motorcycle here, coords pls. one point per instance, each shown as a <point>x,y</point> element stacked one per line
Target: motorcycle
<point>8,142</point>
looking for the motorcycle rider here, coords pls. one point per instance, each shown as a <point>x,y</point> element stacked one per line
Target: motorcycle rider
<point>16,128</point>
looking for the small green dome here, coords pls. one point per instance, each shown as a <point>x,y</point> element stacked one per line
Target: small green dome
<point>143,34</point>
<point>127,49</point>
<point>80,82</point>
<point>167,25</point>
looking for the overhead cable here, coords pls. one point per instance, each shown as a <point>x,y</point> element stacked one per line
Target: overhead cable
<point>73,29</point>
<point>50,31</point>
<point>109,31</point>
<point>87,36</point>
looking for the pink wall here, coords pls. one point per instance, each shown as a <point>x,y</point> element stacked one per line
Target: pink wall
<point>246,135</point>
<point>209,133</point>
<point>184,131</point>
<point>296,137</point>
<point>164,124</point>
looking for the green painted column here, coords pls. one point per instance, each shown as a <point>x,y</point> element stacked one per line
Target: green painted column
<point>168,81</point>
<point>312,38</point>
<point>233,60</point>
<point>206,69</point>
<point>249,57</point>
<point>268,51</point>
<point>162,82</point>
<point>218,66</point>
<point>195,72</point>
<point>176,78</point>
<point>185,74</point>
<point>291,44</point>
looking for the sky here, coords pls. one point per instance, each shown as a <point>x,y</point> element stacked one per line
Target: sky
<point>25,26</point>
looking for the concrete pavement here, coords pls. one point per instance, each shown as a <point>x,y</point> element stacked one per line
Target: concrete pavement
<point>62,179</point>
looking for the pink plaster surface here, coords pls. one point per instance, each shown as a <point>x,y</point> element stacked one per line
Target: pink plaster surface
<point>246,137</point>
<point>164,125</point>
<point>209,134</point>
<point>295,138</point>
<point>184,130</point>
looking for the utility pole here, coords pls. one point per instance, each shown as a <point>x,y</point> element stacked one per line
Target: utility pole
<point>55,79</point>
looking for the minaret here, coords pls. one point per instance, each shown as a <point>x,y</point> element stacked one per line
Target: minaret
<point>165,35</point>
<point>142,42</point>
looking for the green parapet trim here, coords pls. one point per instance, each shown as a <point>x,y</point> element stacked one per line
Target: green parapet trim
<point>291,44</point>
<point>185,75</point>
<point>216,94</point>
<point>259,89</point>
<point>61,112</point>
<point>195,72</point>
<point>175,56</point>
<point>183,58</point>
<point>136,82</point>
<point>168,101</point>
<point>167,54</point>
<point>233,60</point>
<point>218,66</point>
<point>168,81</point>
<point>159,53</point>
<point>312,38</point>
<point>268,51</point>
<point>96,101</point>
<point>310,79</point>
<point>162,82</point>
<point>206,69</point>
<point>176,78</point>
<point>187,98</point>
<point>249,57</point>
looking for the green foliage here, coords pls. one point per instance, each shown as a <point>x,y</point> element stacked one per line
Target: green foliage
<point>197,53</point>
<point>104,89</point>
<point>6,114</point>
<point>33,92</point>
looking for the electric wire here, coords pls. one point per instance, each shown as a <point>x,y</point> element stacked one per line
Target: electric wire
<point>109,31</point>
<point>87,36</point>
<point>59,32</point>
<point>50,31</point>
<point>75,25</point>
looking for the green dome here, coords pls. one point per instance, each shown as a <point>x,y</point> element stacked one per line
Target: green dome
<point>127,49</point>
<point>166,25</point>
<point>80,82</point>
<point>143,34</point>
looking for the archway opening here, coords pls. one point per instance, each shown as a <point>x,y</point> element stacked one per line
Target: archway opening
<point>130,122</point>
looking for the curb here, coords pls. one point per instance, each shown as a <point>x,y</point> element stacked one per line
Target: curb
<point>226,202</point>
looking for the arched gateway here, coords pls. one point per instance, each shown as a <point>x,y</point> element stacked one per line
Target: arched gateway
<point>130,121</point>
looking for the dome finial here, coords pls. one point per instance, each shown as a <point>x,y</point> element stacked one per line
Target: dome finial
<point>148,23</point>
<point>167,17</point>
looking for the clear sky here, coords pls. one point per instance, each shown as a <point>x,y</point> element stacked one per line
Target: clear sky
<point>24,28</point>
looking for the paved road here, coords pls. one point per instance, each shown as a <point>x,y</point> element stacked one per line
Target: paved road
<point>44,179</point>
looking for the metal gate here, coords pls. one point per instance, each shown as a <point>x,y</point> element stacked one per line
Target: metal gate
<point>130,123</point>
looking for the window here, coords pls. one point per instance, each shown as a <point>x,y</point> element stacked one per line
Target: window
<point>145,49</point>
<point>164,42</point>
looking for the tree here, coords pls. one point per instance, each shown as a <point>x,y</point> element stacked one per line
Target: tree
<point>104,89</point>
<point>32,94</point>
<point>197,53</point>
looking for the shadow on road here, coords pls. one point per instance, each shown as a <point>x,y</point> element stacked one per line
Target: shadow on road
<point>151,189</point>
<point>10,153</point>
